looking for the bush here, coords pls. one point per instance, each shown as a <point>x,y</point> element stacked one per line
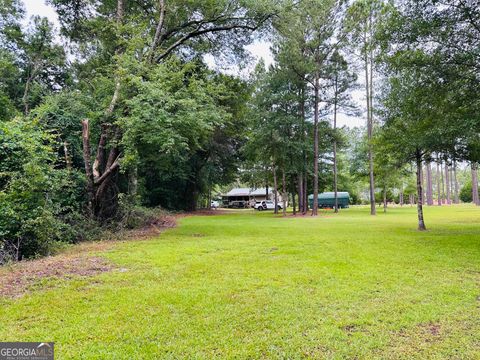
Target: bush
<point>133,216</point>
<point>466,192</point>
<point>39,205</point>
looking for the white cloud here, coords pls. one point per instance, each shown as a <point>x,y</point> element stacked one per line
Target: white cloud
<point>39,7</point>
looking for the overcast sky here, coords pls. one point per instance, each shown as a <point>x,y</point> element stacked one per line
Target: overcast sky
<point>257,49</point>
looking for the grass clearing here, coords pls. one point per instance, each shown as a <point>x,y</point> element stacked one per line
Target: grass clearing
<point>250,285</point>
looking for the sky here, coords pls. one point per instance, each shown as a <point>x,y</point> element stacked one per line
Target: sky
<point>258,49</point>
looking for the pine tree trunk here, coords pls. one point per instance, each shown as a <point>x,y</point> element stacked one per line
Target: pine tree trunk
<point>315,145</point>
<point>305,160</point>
<point>422,179</point>
<point>457,197</point>
<point>294,204</point>
<point>421,222</point>
<point>384,199</point>
<point>305,193</point>
<point>266,183</point>
<point>439,187</point>
<point>401,198</point>
<point>284,193</point>
<point>335,177</point>
<point>209,197</point>
<point>447,184</point>
<point>475,196</point>
<point>373,210</point>
<point>429,184</point>
<point>275,189</point>
<point>442,181</point>
<point>300,193</point>
<point>452,185</point>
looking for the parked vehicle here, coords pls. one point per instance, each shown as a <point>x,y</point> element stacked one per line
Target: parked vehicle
<point>214,204</point>
<point>238,204</point>
<point>266,205</point>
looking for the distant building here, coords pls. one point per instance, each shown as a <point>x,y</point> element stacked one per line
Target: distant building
<point>246,197</point>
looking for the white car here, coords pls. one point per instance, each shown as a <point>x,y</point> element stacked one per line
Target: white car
<point>266,205</point>
<point>214,204</point>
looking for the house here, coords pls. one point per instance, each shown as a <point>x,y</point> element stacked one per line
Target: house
<point>246,197</point>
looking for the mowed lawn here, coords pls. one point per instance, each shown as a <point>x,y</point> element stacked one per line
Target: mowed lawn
<point>251,285</point>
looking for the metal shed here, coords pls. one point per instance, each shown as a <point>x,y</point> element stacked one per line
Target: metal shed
<point>327,200</point>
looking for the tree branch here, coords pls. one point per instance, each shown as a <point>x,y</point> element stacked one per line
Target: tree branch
<point>158,32</point>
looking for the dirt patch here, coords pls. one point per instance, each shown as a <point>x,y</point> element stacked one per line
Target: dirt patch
<point>76,261</point>
<point>204,212</point>
<point>16,279</point>
<point>431,329</point>
<point>417,338</point>
<point>153,229</point>
<point>350,329</point>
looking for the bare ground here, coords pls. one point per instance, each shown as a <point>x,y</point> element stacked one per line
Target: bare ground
<point>78,261</point>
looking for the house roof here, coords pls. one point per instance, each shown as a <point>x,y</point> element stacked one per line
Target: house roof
<point>247,192</point>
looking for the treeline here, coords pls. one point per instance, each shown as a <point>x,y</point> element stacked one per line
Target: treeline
<point>418,62</point>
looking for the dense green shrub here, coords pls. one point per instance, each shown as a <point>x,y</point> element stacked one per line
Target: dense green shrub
<point>466,192</point>
<point>39,204</point>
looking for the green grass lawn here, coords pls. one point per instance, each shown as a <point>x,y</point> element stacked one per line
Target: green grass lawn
<point>251,285</point>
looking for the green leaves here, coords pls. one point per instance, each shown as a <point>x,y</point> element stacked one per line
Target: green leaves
<point>35,198</point>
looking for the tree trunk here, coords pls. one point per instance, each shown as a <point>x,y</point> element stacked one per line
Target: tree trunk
<point>421,222</point>
<point>475,196</point>
<point>384,199</point>
<point>439,187</point>
<point>300,193</point>
<point>443,182</point>
<point>305,162</point>
<point>335,177</point>
<point>305,193</point>
<point>429,184</point>
<point>26,92</point>
<point>88,168</point>
<point>315,145</point>
<point>133,182</point>
<point>423,185</point>
<point>293,190</point>
<point>447,184</point>
<point>457,197</point>
<point>452,185</point>
<point>284,193</point>
<point>275,189</point>
<point>401,198</point>
<point>373,210</point>
<point>158,32</point>
<point>294,204</point>
<point>102,180</point>
<point>266,183</point>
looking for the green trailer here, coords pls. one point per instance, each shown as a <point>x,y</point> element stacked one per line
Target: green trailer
<point>327,200</point>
